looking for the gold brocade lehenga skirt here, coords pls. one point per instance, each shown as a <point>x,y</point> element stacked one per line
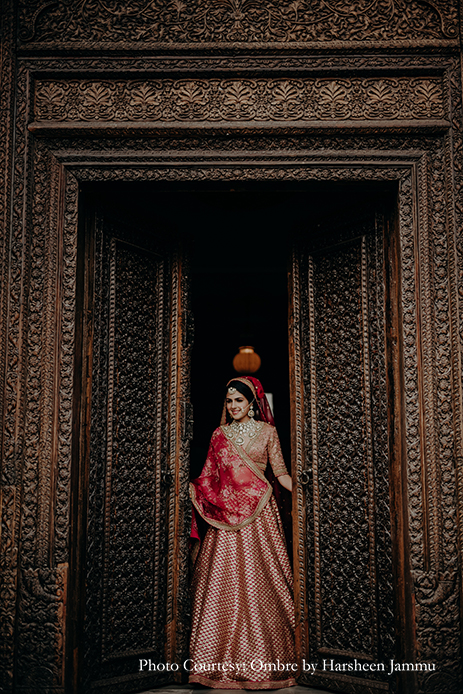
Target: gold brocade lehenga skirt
<point>243,610</point>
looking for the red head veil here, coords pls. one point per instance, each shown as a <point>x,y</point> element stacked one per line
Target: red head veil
<point>261,399</point>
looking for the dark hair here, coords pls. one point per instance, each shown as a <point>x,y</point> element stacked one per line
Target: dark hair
<point>248,394</point>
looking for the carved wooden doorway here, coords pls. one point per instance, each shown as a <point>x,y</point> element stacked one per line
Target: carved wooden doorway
<point>134,423</point>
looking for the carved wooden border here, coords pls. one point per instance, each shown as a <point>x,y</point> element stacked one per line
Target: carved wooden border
<point>9,489</point>
<point>308,169</point>
<point>229,100</point>
<point>40,368</point>
<point>244,24</point>
<point>298,463</point>
<point>45,66</point>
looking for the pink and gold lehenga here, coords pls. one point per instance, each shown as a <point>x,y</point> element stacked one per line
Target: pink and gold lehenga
<point>243,611</point>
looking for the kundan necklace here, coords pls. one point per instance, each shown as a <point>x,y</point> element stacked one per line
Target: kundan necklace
<point>239,431</point>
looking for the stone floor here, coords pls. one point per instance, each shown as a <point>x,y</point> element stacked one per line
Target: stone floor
<point>173,688</point>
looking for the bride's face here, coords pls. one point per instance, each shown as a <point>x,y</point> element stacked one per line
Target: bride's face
<point>237,406</point>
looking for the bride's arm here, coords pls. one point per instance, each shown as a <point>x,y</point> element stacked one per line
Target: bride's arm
<point>276,460</point>
<point>286,482</point>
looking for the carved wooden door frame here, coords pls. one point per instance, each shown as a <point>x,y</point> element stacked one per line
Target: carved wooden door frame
<point>403,172</point>
<point>405,235</point>
<point>178,608</point>
<point>178,599</point>
<point>97,119</point>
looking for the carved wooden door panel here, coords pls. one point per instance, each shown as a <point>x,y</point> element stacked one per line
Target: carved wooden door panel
<point>343,557</point>
<point>130,443</point>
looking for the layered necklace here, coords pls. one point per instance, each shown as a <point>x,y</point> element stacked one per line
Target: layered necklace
<point>240,431</point>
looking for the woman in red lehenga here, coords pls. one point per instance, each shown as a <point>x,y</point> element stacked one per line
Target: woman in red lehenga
<point>243,610</point>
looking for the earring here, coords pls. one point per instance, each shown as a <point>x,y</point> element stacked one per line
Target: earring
<point>250,412</point>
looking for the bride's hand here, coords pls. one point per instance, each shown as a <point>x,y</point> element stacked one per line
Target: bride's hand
<point>286,482</point>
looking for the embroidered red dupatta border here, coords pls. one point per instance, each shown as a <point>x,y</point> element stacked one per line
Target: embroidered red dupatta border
<point>231,490</point>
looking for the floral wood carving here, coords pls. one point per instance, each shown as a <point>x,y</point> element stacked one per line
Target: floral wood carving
<point>236,21</point>
<point>42,618</point>
<point>233,100</point>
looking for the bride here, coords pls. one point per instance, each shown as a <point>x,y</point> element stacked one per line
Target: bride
<point>243,611</point>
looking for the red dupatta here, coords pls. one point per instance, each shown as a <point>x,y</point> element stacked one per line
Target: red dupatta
<point>231,490</point>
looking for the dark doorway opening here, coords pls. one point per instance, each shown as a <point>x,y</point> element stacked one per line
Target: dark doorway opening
<point>236,242</point>
<point>238,238</point>
<point>239,297</point>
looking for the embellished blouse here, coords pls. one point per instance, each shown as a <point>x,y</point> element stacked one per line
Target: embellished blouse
<point>264,447</point>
